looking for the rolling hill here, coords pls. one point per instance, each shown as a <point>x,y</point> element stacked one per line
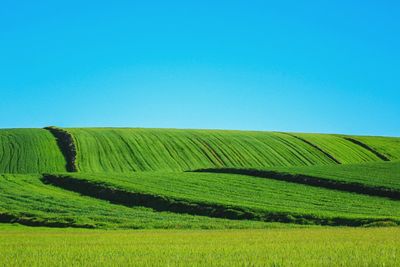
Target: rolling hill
<point>29,151</point>
<point>170,178</point>
<point>127,150</point>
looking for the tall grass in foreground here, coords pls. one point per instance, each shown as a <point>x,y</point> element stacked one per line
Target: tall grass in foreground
<point>275,247</point>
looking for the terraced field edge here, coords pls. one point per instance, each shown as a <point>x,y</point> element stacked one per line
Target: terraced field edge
<point>67,146</point>
<point>312,181</point>
<point>162,203</point>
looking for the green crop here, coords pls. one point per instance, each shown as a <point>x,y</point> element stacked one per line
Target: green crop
<point>342,150</point>
<point>255,195</point>
<point>127,150</point>
<point>275,247</point>
<point>29,151</point>
<point>388,146</point>
<point>27,200</point>
<point>382,174</point>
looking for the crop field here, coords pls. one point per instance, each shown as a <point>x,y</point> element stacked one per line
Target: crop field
<point>388,146</point>
<point>339,148</point>
<point>274,247</point>
<point>382,174</point>
<point>209,197</point>
<point>29,151</point>
<point>259,196</point>
<point>25,199</point>
<point>126,150</point>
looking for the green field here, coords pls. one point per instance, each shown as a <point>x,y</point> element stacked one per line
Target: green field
<point>342,150</point>
<point>388,146</point>
<point>29,151</point>
<point>244,193</point>
<point>274,247</point>
<point>127,150</point>
<point>382,174</point>
<point>25,199</point>
<point>215,197</point>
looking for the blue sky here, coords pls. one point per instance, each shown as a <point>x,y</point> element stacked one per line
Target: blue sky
<point>305,66</point>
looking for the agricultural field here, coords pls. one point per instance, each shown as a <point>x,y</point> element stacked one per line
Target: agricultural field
<point>25,199</point>
<point>127,150</point>
<point>382,174</point>
<point>131,193</point>
<point>339,148</point>
<point>387,146</point>
<point>274,247</point>
<point>29,151</point>
<point>260,197</point>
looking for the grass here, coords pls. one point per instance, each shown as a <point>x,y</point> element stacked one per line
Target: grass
<point>29,151</point>
<point>339,148</point>
<point>275,247</point>
<point>29,201</point>
<point>388,146</point>
<point>258,196</point>
<point>127,150</point>
<point>140,173</point>
<point>381,174</point>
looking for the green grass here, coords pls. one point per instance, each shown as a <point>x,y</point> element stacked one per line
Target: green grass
<point>388,146</point>
<point>28,199</point>
<point>29,151</point>
<point>127,150</point>
<point>275,247</point>
<point>341,149</point>
<point>382,174</point>
<point>259,196</point>
<point>142,171</point>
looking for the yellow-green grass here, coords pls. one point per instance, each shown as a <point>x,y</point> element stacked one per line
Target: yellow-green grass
<point>254,195</point>
<point>274,247</point>
<point>25,199</point>
<point>126,150</point>
<point>29,151</point>
<point>388,146</point>
<point>338,147</point>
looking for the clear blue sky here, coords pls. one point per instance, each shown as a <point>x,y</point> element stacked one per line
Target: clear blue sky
<point>305,66</point>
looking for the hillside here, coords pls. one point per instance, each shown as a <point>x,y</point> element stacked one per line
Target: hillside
<point>29,151</point>
<point>127,150</point>
<point>25,199</point>
<point>233,196</point>
<point>169,178</point>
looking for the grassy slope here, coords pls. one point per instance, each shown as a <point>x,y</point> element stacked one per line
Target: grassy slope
<point>275,247</point>
<point>25,196</point>
<point>341,149</point>
<point>382,174</point>
<point>29,151</point>
<point>259,195</point>
<point>125,150</point>
<point>388,146</point>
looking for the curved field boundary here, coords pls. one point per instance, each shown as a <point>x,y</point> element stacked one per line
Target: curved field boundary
<point>162,203</point>
<point>365,146</point>
<point>67,146</point>
<point>312,181</point>
<point>315,146</point>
